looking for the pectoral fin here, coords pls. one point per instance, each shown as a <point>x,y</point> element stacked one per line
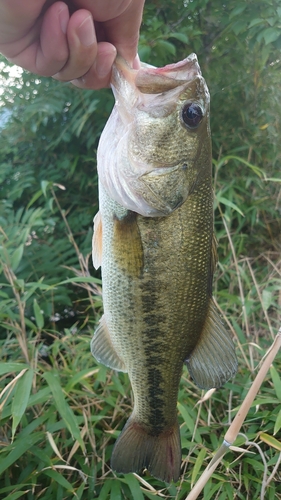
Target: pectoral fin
<point>213,360</point>
<point>97,241</point>
<point>103,350</point>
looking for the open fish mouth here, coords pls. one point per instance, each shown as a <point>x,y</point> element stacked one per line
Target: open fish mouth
<point>150,80</point>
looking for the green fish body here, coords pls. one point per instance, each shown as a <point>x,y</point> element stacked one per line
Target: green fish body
<point>154,240</point>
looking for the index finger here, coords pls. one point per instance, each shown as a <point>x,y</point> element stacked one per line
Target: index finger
<point>123,31</point>
<point>117,22</point>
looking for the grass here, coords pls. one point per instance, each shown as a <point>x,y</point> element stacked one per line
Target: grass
<point>61,412</point>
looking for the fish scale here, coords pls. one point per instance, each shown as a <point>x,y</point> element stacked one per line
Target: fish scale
<point>153,238</point>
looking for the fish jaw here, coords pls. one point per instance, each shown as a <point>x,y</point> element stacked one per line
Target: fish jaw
<point>145,141</point>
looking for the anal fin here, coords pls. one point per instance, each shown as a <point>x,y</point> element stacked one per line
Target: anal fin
<point>103,350</point>
<point>213,360</point>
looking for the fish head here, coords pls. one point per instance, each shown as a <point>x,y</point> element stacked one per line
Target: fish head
<point>157,143</point>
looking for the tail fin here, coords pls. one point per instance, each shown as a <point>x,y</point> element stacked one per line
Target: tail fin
<point>136,450</point>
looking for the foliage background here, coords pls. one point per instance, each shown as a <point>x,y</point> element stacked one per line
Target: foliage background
<point>60,411</point>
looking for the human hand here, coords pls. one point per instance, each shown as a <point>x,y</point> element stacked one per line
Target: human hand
<point>74,40</point>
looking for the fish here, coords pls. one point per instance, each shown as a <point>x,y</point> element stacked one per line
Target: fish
<point>154,240</point>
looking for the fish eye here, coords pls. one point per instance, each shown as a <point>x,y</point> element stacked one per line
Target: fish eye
<point>192,115</point>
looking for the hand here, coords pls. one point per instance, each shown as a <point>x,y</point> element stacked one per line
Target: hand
<point>75,40</point>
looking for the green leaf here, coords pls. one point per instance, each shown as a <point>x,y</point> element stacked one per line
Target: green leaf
<point>58,478</point>
<point>237,10</point>
<point>19,447</point>
<point>39,318</point>
<point>80,279</point>
<point>166,46</point>
<point>77,377</point>
<point>11,367</point>
<point>270,440</point>
<point>21,396</point>
<point>103,494</point>
<point>35,197</point>
<point>197,466</point>
<point>270,35</point>
<point>134,486</point>
<point>17,256</point>
<point>63,407</point>
<point>144,52</point>
<point>17,494</point>
<point>276,381</point>
<point>256,21</point>
<point>272,179</point>
<point>239,26</point>
<point>224,201</point>
<point>44,186</point>
<point>267,298</point>
<point>116,493</point>
<point>257,170</point>
<point>180,36</point>
<point>187,418</point>
<point>277,425</point>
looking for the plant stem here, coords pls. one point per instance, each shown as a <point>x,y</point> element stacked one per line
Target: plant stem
<point>238,421</point>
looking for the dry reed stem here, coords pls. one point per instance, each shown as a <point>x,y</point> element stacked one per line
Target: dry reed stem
<point>241,291</point>
<point>235,427</point>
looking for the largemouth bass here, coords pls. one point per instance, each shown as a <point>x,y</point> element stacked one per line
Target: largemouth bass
<point>153,237</point>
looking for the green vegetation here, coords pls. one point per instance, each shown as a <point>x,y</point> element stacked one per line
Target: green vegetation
<point>60,411</point>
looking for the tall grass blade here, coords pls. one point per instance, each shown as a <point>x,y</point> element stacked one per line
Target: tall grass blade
<point>56,476</point>
<point>134,486</point>
<point>21,397</point>
<point>19,447</point>
<point>11,367</point>
<point>63,408</point>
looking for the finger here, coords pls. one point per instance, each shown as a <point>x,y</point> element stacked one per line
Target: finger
<point>98,76</point>
<point>82,45</point>
<point>44,49</point>
<point>119,23</point>
<point>123,31</point>
<point>53,52</point>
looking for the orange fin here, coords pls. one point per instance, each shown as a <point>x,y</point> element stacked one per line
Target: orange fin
<point>97,241</point>
<point>136,450</point>
<point>213,361</point>
<point>103,350</point>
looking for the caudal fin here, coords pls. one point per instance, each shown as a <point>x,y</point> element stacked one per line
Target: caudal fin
<point>136,450</point>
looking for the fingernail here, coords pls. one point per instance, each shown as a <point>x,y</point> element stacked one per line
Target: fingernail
<point>64,18</point>
<point>86,32</point>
